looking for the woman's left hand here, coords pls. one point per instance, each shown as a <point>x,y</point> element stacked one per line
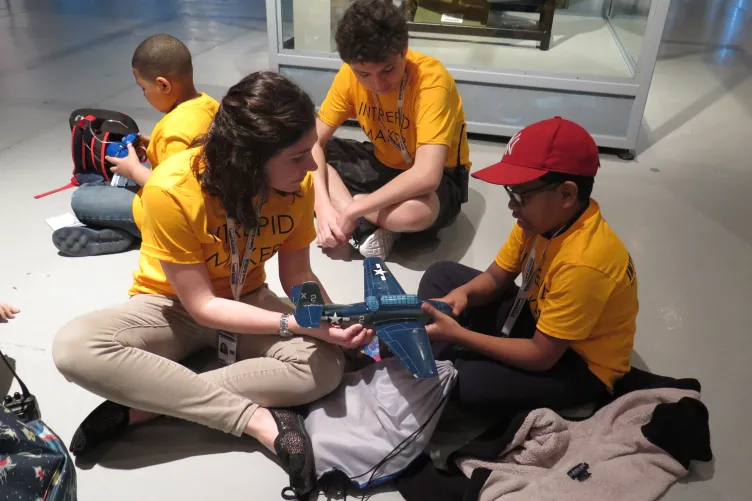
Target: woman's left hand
<point>351,337</point>
<point>443,327</point>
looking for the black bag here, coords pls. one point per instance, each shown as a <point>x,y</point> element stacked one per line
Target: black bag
<point>91,131</point>
<point>34,463</point>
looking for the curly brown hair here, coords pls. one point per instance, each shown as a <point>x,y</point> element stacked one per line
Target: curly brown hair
<point>371,31</point>
<point>259,116</point>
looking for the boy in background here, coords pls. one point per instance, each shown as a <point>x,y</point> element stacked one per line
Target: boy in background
<point>411,176</point>
<point>163,68</point>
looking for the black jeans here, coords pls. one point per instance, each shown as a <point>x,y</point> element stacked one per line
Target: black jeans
<point>489,385</point>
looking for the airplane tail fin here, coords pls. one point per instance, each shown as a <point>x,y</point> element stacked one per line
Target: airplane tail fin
<point>309,304</point>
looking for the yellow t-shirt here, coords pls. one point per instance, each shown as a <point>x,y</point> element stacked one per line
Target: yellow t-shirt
<point>432,112</point>
<point>174,133</point>
<point>585,290</point>
<point>183,225</point>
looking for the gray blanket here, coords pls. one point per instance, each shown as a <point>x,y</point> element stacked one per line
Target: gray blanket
<point>623,463</point>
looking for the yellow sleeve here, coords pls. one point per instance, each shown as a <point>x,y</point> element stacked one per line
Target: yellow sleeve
<point>338,105</point>
<point>166,233</point>
<point>305,232</point>
<point>435,116</point>
<point>174,143</point>
<point>509,257</point>
<point>575,302</point>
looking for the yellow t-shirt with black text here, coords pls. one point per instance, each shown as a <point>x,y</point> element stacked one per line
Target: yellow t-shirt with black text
<point>585,290</point>
<point>174,133</point>
<point>183,225</point>
<point>432,112</point>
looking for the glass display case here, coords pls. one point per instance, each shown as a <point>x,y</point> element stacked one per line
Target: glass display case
<point>514,61</point>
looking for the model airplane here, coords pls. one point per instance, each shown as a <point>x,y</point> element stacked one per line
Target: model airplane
<point>398,318</point>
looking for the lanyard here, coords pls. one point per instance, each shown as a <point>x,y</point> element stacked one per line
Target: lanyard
<point>528,278</point>
<point>239,272</point>
<point>400,145</point>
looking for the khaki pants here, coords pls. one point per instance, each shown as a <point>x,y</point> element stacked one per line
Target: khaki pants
<point>127,354</point>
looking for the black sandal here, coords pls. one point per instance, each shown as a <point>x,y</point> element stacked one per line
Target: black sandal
<point>106,422</point>
<point>295,451</point>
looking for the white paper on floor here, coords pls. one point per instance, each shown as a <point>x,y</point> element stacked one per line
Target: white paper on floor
<point>62,221</point>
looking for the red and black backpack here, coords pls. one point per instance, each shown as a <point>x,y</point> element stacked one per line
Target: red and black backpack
<point>91,131</point>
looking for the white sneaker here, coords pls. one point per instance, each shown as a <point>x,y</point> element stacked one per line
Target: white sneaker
<point>379,243</point>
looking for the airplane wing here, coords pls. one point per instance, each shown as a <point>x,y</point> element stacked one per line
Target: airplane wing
<point>409,342</point>
<point>378,280</point>
<point>309,304</point>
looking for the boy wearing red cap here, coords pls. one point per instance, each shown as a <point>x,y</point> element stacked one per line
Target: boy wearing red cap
<point>565,336</point>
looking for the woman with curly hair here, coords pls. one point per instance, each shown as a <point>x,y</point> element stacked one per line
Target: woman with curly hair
<point>214,215</point>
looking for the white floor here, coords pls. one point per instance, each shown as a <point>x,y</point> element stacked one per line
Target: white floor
<point>683,209</point>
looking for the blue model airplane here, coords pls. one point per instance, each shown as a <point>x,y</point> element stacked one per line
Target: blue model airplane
<point>397,317</point>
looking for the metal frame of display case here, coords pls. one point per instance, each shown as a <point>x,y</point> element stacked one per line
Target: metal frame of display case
<point>610,108</point>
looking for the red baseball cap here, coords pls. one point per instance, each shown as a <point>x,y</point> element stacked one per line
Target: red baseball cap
<point>553,145</point>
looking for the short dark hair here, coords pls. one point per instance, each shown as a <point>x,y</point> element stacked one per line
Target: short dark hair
<point>584,183</point>
<point>259,116</point>
<point>371,31</point>
<point>162,56</point>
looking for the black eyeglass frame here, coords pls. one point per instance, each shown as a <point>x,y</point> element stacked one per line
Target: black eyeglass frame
<point>519,198</point>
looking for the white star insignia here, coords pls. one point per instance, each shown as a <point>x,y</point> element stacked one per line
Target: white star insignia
<point>380,272</point>
<point>334,319</point>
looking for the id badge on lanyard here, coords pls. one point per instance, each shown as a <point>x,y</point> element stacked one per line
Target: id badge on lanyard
<point>227,342</point>
<point>400,145</point>
<point>528,279</point>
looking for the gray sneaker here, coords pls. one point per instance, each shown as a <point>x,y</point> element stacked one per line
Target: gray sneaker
<point>378,244</point>
<point>81,241</point>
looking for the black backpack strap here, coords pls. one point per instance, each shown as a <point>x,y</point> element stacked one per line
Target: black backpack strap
<point>24,389</point>
<point>26,407</point>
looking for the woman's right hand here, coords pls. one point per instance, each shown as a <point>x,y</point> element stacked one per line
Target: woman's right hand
<point>457,300</point>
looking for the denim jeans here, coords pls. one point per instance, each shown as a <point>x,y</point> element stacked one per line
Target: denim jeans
<point>105,206</point>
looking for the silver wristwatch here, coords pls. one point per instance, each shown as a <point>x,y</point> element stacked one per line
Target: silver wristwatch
<point>283,330</point>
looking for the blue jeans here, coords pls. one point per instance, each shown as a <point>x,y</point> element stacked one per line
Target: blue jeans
<point>105,206</point>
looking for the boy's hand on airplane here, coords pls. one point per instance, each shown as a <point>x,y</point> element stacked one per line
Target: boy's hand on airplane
<point>443,327</point>
<point>457,300</point>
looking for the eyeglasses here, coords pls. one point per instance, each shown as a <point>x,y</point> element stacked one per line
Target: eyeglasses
<point>519,198</point>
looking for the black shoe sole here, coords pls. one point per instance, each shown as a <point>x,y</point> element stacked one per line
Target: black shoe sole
<point>80,241</point>
<point>93,432</point>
